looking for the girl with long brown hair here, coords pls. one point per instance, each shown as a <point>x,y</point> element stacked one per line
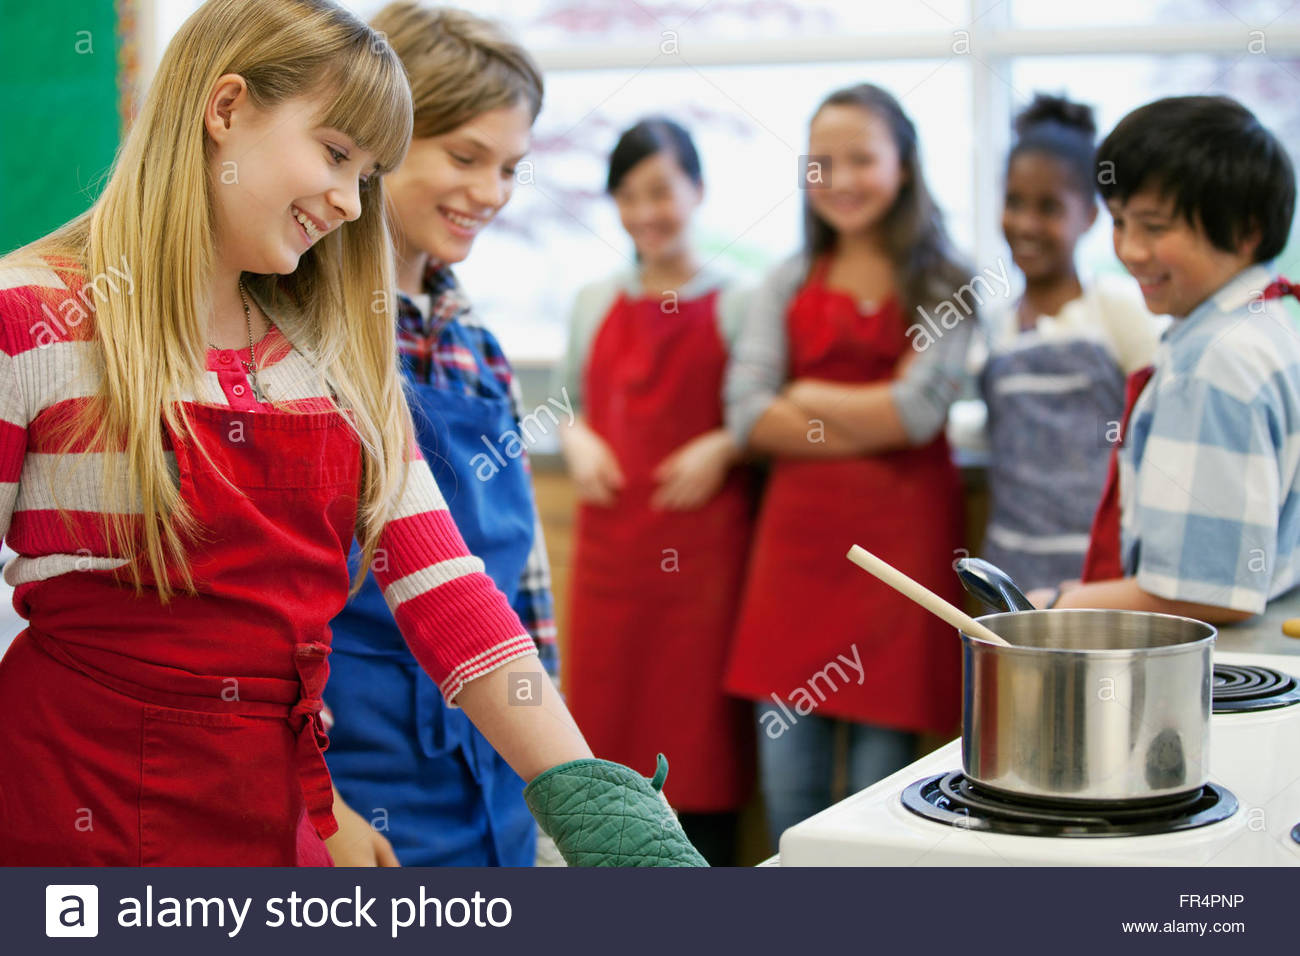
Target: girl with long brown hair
<point>840,380</point>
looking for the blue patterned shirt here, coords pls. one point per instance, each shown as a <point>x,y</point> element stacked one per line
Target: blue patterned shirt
<point>1210,470</point>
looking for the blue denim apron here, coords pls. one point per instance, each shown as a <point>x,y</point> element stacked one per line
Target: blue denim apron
<point>417,770</point>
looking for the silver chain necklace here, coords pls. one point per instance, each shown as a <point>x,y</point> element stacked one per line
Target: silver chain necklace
<point>251,365</point>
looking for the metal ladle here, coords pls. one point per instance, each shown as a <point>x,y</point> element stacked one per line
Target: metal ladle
<point>989,583</point>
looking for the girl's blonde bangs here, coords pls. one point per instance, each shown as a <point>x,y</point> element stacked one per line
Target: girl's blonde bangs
<point>372,103</point>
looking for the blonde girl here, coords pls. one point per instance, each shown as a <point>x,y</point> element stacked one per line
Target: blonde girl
<point>201,407</point>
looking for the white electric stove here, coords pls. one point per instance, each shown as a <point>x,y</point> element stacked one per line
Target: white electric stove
<point>925,815</point>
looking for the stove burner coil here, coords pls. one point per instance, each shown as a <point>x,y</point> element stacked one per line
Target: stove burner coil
<point>954,800</point>
<point>1240,688</point>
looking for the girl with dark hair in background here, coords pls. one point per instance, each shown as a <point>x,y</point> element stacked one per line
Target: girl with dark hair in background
<point>664,522</point>
<point>1054,379</point>
<point>832,379</point>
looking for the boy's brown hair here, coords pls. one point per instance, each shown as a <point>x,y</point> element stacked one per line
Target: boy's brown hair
<point>459,65</point>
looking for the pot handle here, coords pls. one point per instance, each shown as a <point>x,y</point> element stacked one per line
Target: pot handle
<point>991,584</point>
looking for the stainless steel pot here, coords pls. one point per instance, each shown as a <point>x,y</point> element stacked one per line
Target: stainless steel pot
<point>1088,705</point>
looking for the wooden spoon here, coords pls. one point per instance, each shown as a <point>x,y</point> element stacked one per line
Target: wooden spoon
<point>922,595</point>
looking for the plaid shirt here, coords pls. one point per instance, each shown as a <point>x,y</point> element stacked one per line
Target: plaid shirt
<point>433,353</point>
<point>1210,469</point>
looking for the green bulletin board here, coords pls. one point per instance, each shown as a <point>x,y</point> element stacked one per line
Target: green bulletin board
<point>59,114</point>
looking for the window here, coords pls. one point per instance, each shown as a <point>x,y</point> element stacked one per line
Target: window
<point>543,24</point>
<point>745,75</point>
<point>750,124</point>
<point>1246,14</point>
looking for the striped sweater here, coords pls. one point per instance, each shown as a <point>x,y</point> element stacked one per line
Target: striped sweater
<point>457,624</point>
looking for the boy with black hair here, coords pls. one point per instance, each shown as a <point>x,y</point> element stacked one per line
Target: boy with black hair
<point>1201,512</point>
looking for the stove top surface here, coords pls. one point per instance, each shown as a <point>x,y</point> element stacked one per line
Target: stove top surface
<point>955,800</point>
<point>1239,687</point>
<point>928,813</point>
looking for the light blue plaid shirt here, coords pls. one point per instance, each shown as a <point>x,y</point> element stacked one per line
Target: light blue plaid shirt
<point>1210,471</point>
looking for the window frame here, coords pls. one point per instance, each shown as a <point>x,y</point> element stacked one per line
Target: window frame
<point>990,37</point>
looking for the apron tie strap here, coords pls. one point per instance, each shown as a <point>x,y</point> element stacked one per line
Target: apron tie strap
<point>1281,286</point>
<point>1104,561</point>
<point>313,741</point>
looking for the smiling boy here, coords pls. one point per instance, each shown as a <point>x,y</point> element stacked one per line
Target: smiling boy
<point>1201,514</point>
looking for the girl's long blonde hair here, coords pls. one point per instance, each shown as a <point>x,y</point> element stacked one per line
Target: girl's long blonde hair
<point>156,215</point>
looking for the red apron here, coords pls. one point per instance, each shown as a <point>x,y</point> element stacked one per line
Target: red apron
<point>190,734</point>
<point>1104,561</point>
<point>655,593</point>
<point>816,632</point>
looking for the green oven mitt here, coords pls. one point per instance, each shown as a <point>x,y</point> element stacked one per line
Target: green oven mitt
<point>601,813</point>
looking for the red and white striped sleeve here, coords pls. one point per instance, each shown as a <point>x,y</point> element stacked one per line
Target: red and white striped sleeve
<point>13,410</point>
<point>453,617</point>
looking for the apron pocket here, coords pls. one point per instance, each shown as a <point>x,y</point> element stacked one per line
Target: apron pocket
<point>217,789</point>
